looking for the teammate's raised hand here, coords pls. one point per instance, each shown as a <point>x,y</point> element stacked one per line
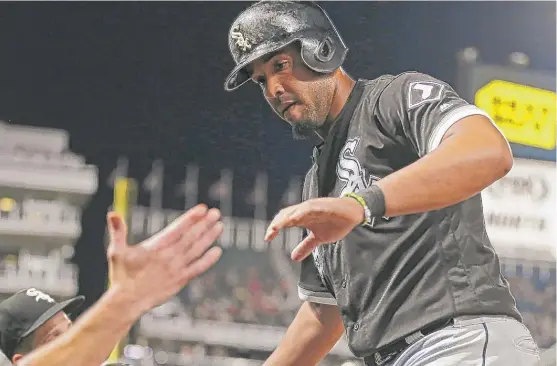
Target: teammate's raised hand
<point>160,266</point>
<point>326,219</point>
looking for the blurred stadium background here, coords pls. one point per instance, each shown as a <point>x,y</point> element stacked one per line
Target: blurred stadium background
<point>99,108</point>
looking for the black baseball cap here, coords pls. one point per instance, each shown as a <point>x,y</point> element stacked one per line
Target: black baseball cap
<point>25,311</point>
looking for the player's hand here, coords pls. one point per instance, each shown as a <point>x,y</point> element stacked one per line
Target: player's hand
<point>326,219</point>
<point>160,266</point>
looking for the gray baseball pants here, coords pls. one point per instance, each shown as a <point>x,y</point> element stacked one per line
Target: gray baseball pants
<point>473,341</point>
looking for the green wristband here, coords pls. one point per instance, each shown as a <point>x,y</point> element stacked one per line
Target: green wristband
<point>362,202</point>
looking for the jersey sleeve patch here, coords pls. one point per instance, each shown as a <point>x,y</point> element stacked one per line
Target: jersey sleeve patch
<point>421,92</point>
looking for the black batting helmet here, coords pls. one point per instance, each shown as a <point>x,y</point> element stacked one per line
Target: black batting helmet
<point>268,26</point>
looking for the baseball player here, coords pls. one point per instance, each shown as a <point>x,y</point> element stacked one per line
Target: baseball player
<point>31,318</point>
<point>396,253</point>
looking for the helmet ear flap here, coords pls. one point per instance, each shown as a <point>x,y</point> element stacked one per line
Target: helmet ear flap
<point>325,50</point>
<point>323,54</point>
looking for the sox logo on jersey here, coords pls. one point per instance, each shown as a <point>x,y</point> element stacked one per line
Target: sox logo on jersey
<point>349,170</point>
<point>351,173</point>
<point>354,178</point>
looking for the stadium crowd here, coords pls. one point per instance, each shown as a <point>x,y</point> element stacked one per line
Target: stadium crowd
<point>244,288</point>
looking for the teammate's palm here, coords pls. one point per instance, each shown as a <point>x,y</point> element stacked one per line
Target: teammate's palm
<point>326,219</point>
<point>160,266</point>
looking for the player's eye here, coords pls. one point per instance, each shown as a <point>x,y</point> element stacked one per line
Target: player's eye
<point>281,65</point>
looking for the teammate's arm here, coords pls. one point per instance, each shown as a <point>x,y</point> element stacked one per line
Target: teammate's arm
<point>314,331</point>
<point>461,150</point>
<point>90,340</point>
<point>142,276</point>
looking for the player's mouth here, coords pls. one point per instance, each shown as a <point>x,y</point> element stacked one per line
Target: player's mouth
<point>284,107</point>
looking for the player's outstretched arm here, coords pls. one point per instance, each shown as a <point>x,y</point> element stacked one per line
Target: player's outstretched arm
<point>472,155</point>
<point>314,331</point>
<point>142,276</point>
<point>461,150</point>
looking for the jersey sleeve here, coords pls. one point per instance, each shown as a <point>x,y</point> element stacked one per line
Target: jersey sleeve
<point>422,108</point>
<point>311,287</point>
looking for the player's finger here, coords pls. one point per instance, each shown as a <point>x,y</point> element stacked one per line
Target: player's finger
<point>280,221</point>
<point>174,231</point>
<point>117,230</point>
<point>273,231</point>
<point>284,223</point>
<point>196,231</point>
<point>202,244</point>
<point>305,248</point>
<point>201,265</point>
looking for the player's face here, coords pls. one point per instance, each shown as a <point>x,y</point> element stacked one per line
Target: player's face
<point>57,325</point>
<point>298,95</point>
<point>49,331</point>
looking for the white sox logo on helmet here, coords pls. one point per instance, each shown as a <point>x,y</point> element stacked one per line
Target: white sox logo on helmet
<point>241,42</point>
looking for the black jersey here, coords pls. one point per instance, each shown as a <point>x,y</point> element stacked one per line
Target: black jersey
<point>400,274</point>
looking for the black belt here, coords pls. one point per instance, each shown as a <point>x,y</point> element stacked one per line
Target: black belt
<point>388,353</point>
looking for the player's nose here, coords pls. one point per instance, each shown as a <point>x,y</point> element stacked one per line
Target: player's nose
<point>274,89</point>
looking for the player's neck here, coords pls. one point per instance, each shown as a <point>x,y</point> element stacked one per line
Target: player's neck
<point>342,91</point>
